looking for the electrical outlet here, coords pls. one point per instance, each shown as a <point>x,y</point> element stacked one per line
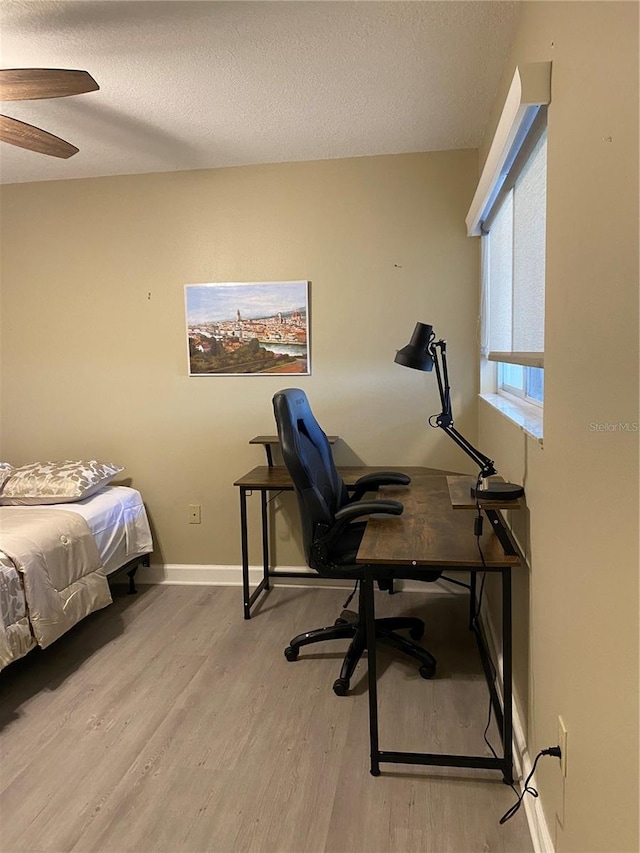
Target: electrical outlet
<point>562,743</point>
<point>194,513</point>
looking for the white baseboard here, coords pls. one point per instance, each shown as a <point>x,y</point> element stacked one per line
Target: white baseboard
<point>177,573</point>
<point>538,827</point>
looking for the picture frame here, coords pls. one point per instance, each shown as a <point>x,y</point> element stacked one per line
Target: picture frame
<point>248,328</point>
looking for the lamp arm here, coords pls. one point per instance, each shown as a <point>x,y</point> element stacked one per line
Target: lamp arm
<point>487,468</point>
<point>438,351</point>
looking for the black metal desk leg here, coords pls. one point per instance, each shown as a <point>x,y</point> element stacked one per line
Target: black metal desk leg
<point>507,724</point>
<point>369,614</point>
<point>473,585</point>
<point>265,539</point>
<point>245,553</point>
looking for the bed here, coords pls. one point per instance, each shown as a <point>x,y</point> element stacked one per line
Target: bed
<point>56,559</point>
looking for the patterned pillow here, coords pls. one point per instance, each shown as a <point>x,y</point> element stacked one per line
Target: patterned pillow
<point>56,482</point>
<point>6,471</point>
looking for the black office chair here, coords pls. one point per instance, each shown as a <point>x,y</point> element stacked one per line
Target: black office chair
<point>331,535</point>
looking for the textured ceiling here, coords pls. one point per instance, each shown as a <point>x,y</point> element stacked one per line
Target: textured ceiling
<point>192,85</point>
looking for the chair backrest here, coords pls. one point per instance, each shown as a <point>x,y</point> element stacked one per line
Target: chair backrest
<point>307,456</point>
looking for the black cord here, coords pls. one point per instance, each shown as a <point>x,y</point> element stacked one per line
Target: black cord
<point>493,752</point>
<point>486,739</point>
<point>348,601</point>
<point>476,616</point>
<point>529,789</point>
<point>477,530</point>
<point>477,527</point>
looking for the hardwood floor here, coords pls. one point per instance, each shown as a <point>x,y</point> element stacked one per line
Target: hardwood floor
<point>168,723</point>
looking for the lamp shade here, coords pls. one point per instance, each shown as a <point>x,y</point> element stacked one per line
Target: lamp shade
<point>416,354</point>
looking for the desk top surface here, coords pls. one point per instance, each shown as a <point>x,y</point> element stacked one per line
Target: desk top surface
<point>429,532</point>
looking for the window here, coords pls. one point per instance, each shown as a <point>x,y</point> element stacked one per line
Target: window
<point>509,212</point>
<point>514,238</point>
<point>524,382</point>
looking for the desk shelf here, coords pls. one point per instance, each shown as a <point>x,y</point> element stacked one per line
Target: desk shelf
<point>461,498</point>
<point>268,440</point>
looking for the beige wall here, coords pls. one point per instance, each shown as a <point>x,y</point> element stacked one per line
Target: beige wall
<point>94,350</point>
<point>580,597</point>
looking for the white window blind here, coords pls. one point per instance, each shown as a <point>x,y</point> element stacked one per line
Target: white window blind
<point>516,263</point>
<point>500,280</point>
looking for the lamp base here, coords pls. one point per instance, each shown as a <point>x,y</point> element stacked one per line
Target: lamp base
<point>496,491</point>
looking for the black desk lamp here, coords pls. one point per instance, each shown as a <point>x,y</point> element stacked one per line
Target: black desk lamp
<point>421,353</point>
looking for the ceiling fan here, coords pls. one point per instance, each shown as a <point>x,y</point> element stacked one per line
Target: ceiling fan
<point>27,84</point>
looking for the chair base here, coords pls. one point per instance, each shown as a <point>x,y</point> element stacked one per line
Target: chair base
<point>351,625</point>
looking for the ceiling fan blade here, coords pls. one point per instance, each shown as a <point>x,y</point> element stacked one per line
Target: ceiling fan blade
<point>26,84</point>
<point>32,138</point>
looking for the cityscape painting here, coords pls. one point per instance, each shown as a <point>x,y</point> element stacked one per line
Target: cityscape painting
<point>248,328</point>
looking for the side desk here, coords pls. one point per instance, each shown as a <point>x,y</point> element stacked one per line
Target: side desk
<point>269,480</point>
<point>436,531</point>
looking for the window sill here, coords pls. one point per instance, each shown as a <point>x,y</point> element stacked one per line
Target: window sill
<point>524,415</point>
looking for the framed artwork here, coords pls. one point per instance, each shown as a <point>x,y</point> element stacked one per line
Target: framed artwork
<point>248,328</point>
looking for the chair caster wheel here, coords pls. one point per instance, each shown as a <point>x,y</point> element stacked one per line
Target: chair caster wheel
<point>290,653</point>
<point>341,687</point>
<point>427,670</point>
<point>340,621</point>
<point>416,633</point>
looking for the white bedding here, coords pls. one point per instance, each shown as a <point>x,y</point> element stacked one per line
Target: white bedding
<point>118,524</point>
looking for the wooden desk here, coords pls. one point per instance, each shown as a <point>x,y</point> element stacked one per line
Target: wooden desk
<point>431,534</point>
<point>266,479</point>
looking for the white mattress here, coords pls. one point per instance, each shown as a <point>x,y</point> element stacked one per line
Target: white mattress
<point>118,522</point>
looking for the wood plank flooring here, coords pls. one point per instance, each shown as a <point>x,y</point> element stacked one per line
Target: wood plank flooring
<point>166,723</point>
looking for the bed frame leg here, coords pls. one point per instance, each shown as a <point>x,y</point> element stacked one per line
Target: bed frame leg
<point>132,585</point>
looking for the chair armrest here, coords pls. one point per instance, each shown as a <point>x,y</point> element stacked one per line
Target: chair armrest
<point>357,509</point>
<point>372,482</point>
